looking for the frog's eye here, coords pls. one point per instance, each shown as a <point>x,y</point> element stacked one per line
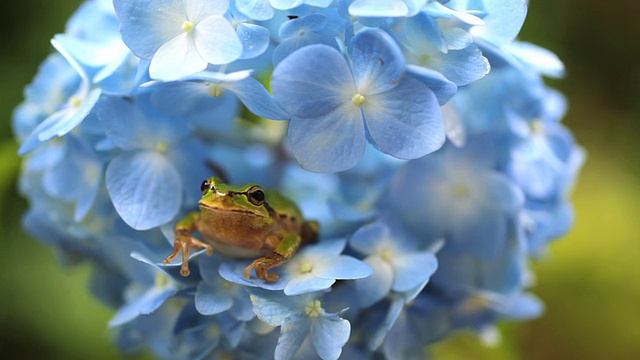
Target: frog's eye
<point>256,196</point>
<point>205,187</point>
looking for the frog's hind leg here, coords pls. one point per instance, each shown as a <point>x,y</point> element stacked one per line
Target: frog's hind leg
<point>285,250</point>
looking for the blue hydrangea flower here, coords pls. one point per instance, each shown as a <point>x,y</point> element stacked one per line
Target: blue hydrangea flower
<point>301,316</point>
<point>143,99</point>
<point>398,265</point>
<point>335,109</point>
<point>180,38</point>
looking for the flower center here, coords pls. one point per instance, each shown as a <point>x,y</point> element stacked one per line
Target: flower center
<point>314,308</point>
<point>75,101</point>
<point>536,127</point>
<point>162,147</point>
<point>216,90</point>
<point>306,267</point>
<point>188,26</point>
<point>357,100</point>
<point>386,255</point>
<point>460,191</point>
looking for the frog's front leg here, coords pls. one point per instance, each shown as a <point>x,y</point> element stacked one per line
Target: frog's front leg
<point>184,241</point>
<point>285,250</point>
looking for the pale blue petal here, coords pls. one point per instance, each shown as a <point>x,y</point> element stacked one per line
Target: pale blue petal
<point>217,41</point>
<point>406,121</point>
<point>503,21</point>
<point>397,304</point>
<point>329,334</point>
<point>410,270</point>
<point>218,77</point>
<point>177,58</point>
<point>438,83</point>
<point>523,306</point>
<point>462,66</point>
<point>289,46</point>
<point>342,267</point>
<point>306,283</point>
<point>255,9</point>
<point>254,38</point>
<point>329,143</point>
<point>375,287</point>
<point>272,308</point>
<point>503,193</point>
<point>144,304</point>
<point>378,8</point>
<point>312,81</point>
<point>324,249</point>
<point>482,232</point>
<point>211,300</point>
<point>457,39</point>
<point>147,25</point>
<point>367,238</point>
<point>49,129</point>
<point>289,4</point>
<point>377,61</point>
<point>145,189</point>
<point>294,330</point>
<point>257,99</point>
<point>198,10</point>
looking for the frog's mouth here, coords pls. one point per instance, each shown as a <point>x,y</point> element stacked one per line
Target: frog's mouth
<point>224,209</point>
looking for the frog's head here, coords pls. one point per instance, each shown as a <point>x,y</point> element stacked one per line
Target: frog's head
<point>218,196</point>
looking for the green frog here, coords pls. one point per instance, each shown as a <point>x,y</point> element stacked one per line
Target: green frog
<point>244,222</point>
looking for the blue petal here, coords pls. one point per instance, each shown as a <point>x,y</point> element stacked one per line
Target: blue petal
<point>462,66</point>
<point>331,142</point>
<point>306,283</point>
<point>145,189</point>
<point>378,8</point>
<point>312,81</point>
<point>273,307</point>
<point>503,21</point>
<point>397,304</point>
<point>255,9</point>
<point>342,267</point>
<point>144,304</point>
<point>406,121</point>
<point>72,118</point>
<point>294,330</point>
<point>438,83</point>
<point>256,98</point>
<point>410,270</point>
<point>503,192</point>
<point>367,238</point>
<point>329,334</point>
<point>146,26</point>
<point>211,300</point>
<point>254,38</point>
<point>375,287</point>
<point>378,63</point>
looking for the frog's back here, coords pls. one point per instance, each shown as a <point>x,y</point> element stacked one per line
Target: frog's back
<point>285,209</point>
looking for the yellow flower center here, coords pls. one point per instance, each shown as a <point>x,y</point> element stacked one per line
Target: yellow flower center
<point>306,267</point>
<point>188,26</point>
<point>314,308</point>
<point>75,101</point>
<point>461,191</point>
<point>216,90</point>
<point>357,100</point>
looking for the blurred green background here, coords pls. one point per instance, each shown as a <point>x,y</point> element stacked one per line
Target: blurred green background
<point>590,283</point>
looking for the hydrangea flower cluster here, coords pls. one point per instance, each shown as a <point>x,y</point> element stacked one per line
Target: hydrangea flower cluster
<point>419,134</point>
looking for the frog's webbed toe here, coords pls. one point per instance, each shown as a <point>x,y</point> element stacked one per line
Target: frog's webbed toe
<point>182,244</point>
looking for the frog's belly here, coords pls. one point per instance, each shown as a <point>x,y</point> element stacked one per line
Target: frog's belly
<point>238,252</point>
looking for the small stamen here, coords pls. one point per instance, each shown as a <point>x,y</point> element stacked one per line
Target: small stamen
<point>314,308</point>
<point>216,90</point>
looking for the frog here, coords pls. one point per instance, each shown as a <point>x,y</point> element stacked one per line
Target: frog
<point>243,222</point>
